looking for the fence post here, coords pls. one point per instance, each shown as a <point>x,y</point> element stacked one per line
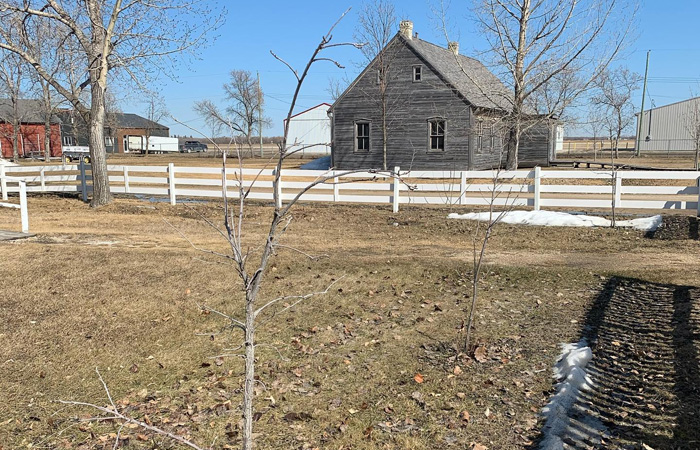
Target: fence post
<point>396,188</point>
<point>336,188</point>
<point>618,189</point>
<point>278,191</point>
<point>463,188</point>
<point>171,184</point>
<point>23,206</point>
<point>83,181</point>
<point>537,178</point>
<point>127,189</point>
<point>3,182</point>
<point>697,183</point>
<point>42,179</point>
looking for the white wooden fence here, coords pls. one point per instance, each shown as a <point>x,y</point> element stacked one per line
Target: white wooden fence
<point>5,185</point>
<point>536,188</point>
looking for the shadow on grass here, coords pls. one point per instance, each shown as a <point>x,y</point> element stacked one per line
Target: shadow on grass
<point>645,369</point>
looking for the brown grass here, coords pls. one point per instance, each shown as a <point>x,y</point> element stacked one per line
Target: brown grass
<point>117,288</point>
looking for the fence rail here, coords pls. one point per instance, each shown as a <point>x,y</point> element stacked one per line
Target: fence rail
<point>534,188</point>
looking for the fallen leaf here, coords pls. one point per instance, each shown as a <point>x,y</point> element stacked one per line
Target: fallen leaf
<point>134,368</point>
<point>418,378</point>
<point>480,354</point>
<point>465,416</point>
<point>457,370</point>
<point>476,446</point>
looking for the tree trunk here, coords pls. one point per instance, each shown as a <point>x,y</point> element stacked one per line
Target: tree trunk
<point>15,141</point>
<point>248,390</point>
<point>513,146</point>
<point>98,154</point>
<point>47,140</point>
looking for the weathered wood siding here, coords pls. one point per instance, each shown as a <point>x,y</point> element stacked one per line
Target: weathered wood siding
<point>534,146</point>
<point>411,104</point>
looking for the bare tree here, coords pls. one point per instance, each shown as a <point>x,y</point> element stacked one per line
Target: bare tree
<point>692,126</point>
<point>375,28</point>
<point>155,112</point>
<point>134,40</point>
<point>13,85</point>
<point>614,90</point>
<point>536,41</point>
<point>336,87</point>
<point>244,110</point>
<point>251,262</point>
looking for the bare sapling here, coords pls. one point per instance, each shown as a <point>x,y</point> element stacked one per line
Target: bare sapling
<point>251,263</point>
<point>480,241</point>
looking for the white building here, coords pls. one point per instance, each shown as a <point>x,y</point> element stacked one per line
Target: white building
<point>310,131</point>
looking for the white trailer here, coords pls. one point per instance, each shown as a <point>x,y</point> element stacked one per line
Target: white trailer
<point>156,144</point>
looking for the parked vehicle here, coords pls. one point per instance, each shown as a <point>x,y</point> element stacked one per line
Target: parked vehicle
<point>193,146</point>
<point>75,153</point>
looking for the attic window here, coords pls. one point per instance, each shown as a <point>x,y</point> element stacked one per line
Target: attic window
<point>417,73</point>
<point>436,134</point>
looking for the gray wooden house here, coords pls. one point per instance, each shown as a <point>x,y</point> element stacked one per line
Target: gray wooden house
<point>443,112</point>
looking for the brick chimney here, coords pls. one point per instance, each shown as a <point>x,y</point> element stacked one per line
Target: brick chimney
<point>406,29</point>
<point>453,47</point>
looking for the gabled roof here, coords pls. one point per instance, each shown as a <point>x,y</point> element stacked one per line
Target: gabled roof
<point>28,111</point>
<point>128,120</point>
<point>121,120</point>
<point>309,109</point>
<point>468,76</point>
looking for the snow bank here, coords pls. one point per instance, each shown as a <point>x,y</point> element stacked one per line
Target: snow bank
<point>323,163</point>
<point>570,371</point>
<point>6,163</point>
<point>561,219</point>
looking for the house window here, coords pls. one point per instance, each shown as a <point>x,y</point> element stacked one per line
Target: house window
<point>417,73</point>
<point>436,136</point>
<point>362,136</point>
<point>479,136</point>
<point>109,141</point>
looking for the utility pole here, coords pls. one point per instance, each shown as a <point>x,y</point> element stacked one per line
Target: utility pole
<point>260,123</point>
<point>641,114</point>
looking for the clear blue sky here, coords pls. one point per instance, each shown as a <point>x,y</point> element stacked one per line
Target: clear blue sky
<point>293,29</point>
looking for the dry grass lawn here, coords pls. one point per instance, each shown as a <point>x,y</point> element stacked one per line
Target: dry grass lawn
<point>119,289</point>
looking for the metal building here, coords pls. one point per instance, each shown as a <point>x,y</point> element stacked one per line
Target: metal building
<point>310,131</point>
<point>667,128</point>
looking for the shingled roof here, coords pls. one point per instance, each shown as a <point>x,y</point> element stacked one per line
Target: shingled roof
<point>28,111</point>
<point>128,120</point>
<point>468,76</point>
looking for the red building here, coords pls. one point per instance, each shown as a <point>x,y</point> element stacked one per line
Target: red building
<point>30,138</point>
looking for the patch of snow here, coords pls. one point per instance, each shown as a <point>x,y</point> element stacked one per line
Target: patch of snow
<point>6,163</point>
<point>562,219</point>
<point>323,163</point>
<point>570,372</point>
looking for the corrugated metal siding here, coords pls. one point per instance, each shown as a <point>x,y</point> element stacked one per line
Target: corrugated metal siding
<point>311,128</point>
<point>669,127</point>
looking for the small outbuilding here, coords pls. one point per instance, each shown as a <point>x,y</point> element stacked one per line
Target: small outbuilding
<point>310,131</point>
